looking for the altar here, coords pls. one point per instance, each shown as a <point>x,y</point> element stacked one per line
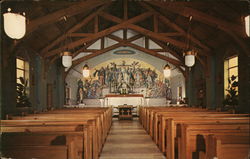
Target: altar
<point>123,99</point>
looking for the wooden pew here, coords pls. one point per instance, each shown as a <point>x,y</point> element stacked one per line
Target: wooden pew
<point>101,122</point>
<point>173,132</point>
<point>76,145</point>
<point>226,147</point>
<point>190,131</point>
<point>158,117</point>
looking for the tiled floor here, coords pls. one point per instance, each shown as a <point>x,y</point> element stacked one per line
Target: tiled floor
<point>128,140</point>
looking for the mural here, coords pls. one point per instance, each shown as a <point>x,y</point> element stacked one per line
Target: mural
<point>123,78</point>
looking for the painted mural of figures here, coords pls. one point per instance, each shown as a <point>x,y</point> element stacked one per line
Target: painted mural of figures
<point>101,75</point>
<point>80,93</point>
<point>113,77</point>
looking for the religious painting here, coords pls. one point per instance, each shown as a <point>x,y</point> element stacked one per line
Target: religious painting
<point>123,77</point>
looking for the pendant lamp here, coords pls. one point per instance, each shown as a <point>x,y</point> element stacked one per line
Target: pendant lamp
<point>66,59</point>
<point>85,71</point>
<point>14,24</point>
<point>247,25</point>
<point>189,53</point>
<point>167,71</point>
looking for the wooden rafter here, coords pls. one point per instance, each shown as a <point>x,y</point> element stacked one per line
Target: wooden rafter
<point>101,33</point>
<point>96,27</point>
<point>84,48</point>
<point>125,9</point>
<point>198,15</point>
<point>150,33</point>
<point>71,30</point>
<point>229,28</point>
<point>149,51</point>
<point>175,26</point>
<point>94,54</point>
<point>166,49</point>
<point>68,12</point>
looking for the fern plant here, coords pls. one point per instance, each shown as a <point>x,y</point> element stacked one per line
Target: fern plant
<point>22,100</point>
<point>231,100</point>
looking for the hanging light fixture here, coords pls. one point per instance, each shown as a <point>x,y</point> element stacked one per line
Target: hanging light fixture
<point>66,59</point>
<point>189,53</point>
<point>14,24</point>
<point>85,71</point>
<point>247,25</point>
<point>66,55</point>
<point>167,71</point>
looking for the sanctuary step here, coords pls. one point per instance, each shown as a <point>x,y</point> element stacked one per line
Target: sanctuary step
<point>128,140</point>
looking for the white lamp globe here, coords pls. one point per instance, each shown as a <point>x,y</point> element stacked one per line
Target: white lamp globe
<point>14,25</point>
<point>167,71</point>
<point>190,58</point>
<point>85,71</point>
<point>67,59</point>
<point>247,25</point>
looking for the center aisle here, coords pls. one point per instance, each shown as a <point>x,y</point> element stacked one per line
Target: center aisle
<point>128,140</point>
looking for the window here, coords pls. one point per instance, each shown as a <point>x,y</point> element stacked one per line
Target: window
<point>230,69</point>
<point>22,70</point>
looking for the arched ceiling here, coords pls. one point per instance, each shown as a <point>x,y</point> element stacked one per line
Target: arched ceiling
<point>59,25</point>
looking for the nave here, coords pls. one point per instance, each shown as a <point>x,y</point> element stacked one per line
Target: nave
<point>128,140</point>
<point>92,133</point>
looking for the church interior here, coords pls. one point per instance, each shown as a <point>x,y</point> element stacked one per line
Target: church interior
<point>125,79</point>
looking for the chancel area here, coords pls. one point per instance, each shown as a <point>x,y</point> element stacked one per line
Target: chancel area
<point>125,79</point>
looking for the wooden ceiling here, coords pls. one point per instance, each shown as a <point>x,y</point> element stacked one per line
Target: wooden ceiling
<point>56,26</point>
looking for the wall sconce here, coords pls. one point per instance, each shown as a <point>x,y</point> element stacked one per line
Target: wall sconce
<point>14,24</point>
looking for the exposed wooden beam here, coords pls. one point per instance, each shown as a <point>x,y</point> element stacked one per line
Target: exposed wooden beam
<point>94,54</point>
<point>71,30</point>
<point>172,34</point>
<point>101,33</point>
<point>80,34</point>
<point>153,53</point>
<point>146,32</point>
<point>125,34</point>
<point>198,15</point>
<point>68,12</point>
<point>96,23</point>
<point>213,21</point>
<point>175,26</point>
<point>102,43</point>
<point>146,43</point>
<point>156,36</point>
<point>125,9</point>
<point>166,49</point>
<point>84,47</point>
<point>110,17</point>
<point>156,24</point>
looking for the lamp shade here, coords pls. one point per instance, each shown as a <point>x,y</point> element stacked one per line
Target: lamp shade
<point>247,25</point>
<point>66,59</point>
<point>190,58</point>
<point>167,71</point>
<point>14,25</point>
<point>85,71</point>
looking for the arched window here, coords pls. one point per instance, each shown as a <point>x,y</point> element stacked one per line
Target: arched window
<point>230,69</point>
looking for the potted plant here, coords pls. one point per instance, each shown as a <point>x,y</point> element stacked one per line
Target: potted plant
<point>231,100</point>
<point>22,100</point>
